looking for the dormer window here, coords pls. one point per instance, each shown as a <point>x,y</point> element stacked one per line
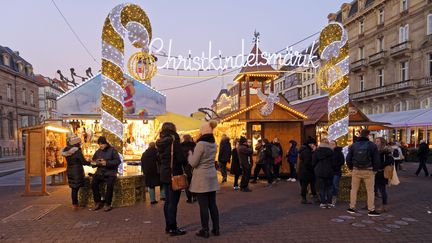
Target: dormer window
<point>6,60</point>
<point>20,66</point>
<point>29,70</point>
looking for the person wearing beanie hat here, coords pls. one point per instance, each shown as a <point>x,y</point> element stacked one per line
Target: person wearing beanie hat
<point>224,156</point>
<point>306,171</point>
<point>107,161</point>
<point>75,171</point>
<point>204,180</point>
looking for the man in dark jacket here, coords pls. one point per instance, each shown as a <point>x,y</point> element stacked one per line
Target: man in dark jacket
<point>338,162</point>
<point>264,160</point>
<point>322,161</point>
<point>107,160</point>
<point>306,170</point>
<point>291,157</point>
<point>224,156</point>
<point>364,161</point>
<point>244,153</point>
<point>423,153</point>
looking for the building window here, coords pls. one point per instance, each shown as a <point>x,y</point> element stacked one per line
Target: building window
<point>9,92</point>
<point>361,82</point>
<point>380,77</point>
<point>430,64</point>
<point>24,95</point>
<point>6,60</point>
<point>380,44</point>
<point>404,33</point>
<point>361,26</point>
<point>308,90</point>
<point>426,103</point>
<point>10,125</point>
<point>1,124</point>
<point>32,97</point>
<point>429,24</point>
<point>361,53</point>
<point>304,92</point>
<point>404,71</point>
<point>313,89</point>
<point>381,16</point>
<point>398,106</point>
<point>404,5</point>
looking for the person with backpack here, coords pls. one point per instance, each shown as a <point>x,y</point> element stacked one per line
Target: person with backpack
<point>277,153</point>
<point>291,157</point>
<point>364,161</point>
<point>380,179</point>
<point>423,153</point>
<point>322,161</point>
<point>397,154</point>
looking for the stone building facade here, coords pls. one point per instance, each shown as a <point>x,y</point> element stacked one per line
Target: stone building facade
<point>19,102</point>
<point>49,90</point>
<point>391,53</point>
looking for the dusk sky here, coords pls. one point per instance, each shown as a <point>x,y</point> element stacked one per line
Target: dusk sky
<point>38,32</point>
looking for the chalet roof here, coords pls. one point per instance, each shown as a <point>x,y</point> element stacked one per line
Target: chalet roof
<point>259,68</point>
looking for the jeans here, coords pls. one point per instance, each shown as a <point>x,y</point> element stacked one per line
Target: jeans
<point>246,172</point>
<point>110,181</point>
<point>293,171</point>
<point>276,169</point>
<point>422,166</point>
<point>304,187</point>
<point>223,169</point>
<point>152,193</point>
<point>170,207</point>
<point>207,203</point>
<point>236,178</point>
<point>266,169</point>
<point>74,194</point>
<point>368,176</point>
<point>336,179</point>
<point>325,187</point>
<point>380,187</point>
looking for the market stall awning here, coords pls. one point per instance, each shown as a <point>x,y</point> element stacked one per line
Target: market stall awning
<point>84,100</point>
<point>183,123</point>
<point>410,118</point>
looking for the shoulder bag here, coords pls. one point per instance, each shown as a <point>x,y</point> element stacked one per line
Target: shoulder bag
<point>178,182</point>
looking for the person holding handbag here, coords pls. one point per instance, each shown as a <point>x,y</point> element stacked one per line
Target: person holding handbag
<point>380,178</point>
<point>204,180</point>
<point>172,163</point>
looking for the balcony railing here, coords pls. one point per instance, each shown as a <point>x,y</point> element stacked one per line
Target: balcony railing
<point>400,48</point>
<point>51,96</point>
<point>427,81</point>
<point>384,89</point>
<point>358,64</point>
<point>377,57</point>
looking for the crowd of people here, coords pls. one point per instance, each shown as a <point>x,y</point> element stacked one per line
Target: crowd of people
<point>313,166</point>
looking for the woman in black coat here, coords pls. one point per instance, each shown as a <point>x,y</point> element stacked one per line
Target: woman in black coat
<point>386,159</point>
<point>75,171</point>
<point>187,145</point>
<point>150,168</point>
<point>235,165</point>
<point>169,138</point>
<point>322,160</point>
<point>306,170</point>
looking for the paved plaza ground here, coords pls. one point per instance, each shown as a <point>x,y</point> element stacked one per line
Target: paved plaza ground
<point>264,215</point>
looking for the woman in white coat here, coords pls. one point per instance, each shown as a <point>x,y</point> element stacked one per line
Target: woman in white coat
<point>204,180</point>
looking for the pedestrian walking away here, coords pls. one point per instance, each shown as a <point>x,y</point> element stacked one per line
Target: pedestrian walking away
<point>277,154</point>
<point>224,156</point>
<point>75,171</point>
<point>204,181</point>
<point>363,160</point>
<point>423,154</point>
<point>170,152</point>
<point>322,161</point>
<point>150,169</point>
<point>106,160</point>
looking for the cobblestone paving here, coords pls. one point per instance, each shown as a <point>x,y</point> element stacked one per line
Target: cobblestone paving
<point>264,215</point>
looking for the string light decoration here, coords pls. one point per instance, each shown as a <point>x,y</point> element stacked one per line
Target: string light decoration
<point>333,77</point>
<point>142,66</point>
<point>123,20</point>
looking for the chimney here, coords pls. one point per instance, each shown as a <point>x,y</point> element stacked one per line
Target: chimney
<point>16,53</point>
<point>331,17</point>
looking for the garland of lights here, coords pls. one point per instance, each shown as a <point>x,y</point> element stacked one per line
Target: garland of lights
<point>333,77</point>
<point>123,20</point>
